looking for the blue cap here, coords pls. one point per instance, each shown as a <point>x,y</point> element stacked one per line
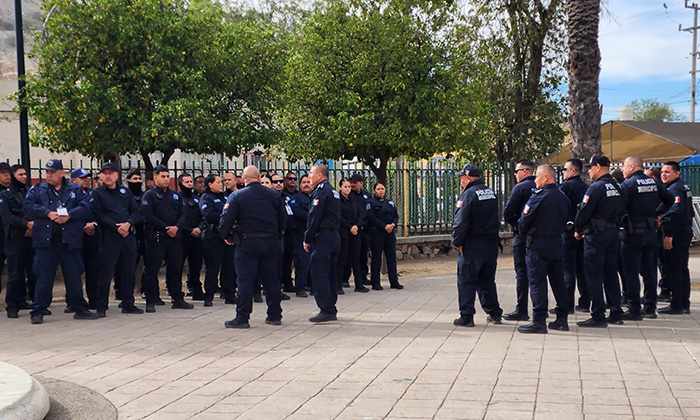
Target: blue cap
<point>54,165</point>
<point>79,173</point>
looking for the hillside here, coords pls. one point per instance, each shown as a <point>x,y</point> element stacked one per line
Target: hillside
<point>32,19</point>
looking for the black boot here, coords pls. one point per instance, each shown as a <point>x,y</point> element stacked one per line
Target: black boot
<point>536,327</point>
<point>560,324</point>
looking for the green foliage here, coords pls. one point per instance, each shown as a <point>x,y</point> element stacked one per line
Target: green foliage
<point>653,110</point>
<point>519,54</point>
<point>124,76</point>
<point>375,80</point>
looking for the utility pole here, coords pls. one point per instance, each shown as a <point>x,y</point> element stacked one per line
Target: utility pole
<point>23,119</point>
<point>693,55</point>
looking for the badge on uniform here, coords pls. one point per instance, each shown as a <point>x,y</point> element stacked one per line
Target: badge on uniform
<point>122,190</point>
<point>392,203</point>
<point>365,196</point>
<point>315,202</point>
<point>368,207</point>
<point>175,197</point>
<point>585,199</point>
<point>196,200</point>
<point>72,194</point>
<point>204,206</point>
<point>217,200</point>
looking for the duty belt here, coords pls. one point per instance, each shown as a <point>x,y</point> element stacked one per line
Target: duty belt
<point>255,235</point>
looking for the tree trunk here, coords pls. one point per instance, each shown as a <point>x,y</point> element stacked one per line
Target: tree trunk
<point>147,161</point>
<point>167,154</point>
<point>584,71</point>
<point>379,171</point>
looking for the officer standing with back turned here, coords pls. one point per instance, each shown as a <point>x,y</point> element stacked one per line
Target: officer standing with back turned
<point>257,216</point>
<point>323,241</point>
<point>597,223</point>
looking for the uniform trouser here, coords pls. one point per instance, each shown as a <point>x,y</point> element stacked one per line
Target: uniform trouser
<point>600,253</point>
<point>140,255</point>
<point>287,258</point>
<point>116,251</point>
<point>522,286</point>
<point>544,261</point>
<point>92,264</point>
<point>382,242</point>
<point>20,275</point>
<point>324,255</point>
<point>253,261</point>
<point>349,260</point>
<point>219,257</point>
<point>661,263</point>
<point>476,272</point>
<point>46,262</point>
<point>639,256</point>
<point>574,273</point>
<point>158,249</point>
<point>192,251</point>
<point>677,273</point>
<point>2,256</point>
<point>364,253</point>
<point>302,263</point>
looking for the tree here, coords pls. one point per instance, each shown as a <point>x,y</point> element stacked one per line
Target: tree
<point>584,72</point>
<point>124,76</point>
<point>653,110</point>
<point>519,49</point>
<point>374,80</point>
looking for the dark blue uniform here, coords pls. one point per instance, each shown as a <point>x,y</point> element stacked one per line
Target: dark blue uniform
<point>677,223</point>
<point>363,198</point>
<point>519,195</point>
<point>218,255</point>
<point>58,243</point>
<point>322,234</point>
<point>288,243</point>
<point>475,229</point>
<point>18,247</point>
<point>162,208</point>
<point>109,207</point>
<point>91,258</point>
<point>574,274</point>
<point>544,220</point>
<point>643,196</point>
<point>382,212</point>
<point>598,219</point>
<point>191,246</point>
<point>351,212</point>
<point>257,216</point>
<point>300,204</point>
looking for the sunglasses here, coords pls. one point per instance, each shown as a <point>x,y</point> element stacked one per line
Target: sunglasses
<point>277,181</point>
<point>521,169</point>
<point>291,179</point>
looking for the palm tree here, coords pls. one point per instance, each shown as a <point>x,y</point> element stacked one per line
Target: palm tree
<point>584,70</point>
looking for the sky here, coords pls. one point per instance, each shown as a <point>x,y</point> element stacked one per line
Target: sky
<point>644,55</point>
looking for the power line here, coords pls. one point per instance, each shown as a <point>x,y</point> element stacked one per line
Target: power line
<point>693,55</point>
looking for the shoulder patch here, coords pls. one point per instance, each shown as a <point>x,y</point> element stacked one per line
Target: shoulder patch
<point>315,202</point>
<point>336,195</point>
<point>368,206</point>
<point>226,206</point>
<point>585,199</point>
<point>365,196</point>
<point>196,200</point>
<point>175,197</point>
<point>392,203</point>
<point>459,204</point>
<point>204,206</point>
<point>526,210</point>
<point>72,194</point>
<point>122,190</point>
<point>678,200</point>
<point>216,200</point>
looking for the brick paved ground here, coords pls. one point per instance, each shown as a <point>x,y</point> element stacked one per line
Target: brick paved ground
<point>393,354</point>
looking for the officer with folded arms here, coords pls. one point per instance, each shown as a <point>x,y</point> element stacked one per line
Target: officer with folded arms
<point>59,210</point>
<point>257,216</point>
<point>18,242</point>
<point>164,216</point>
<point>116,211</point>
<point>475,235</point>
<point>597,223</point>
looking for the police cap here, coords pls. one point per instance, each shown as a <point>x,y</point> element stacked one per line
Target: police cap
<point>601,160</point>
<point>470,170</point>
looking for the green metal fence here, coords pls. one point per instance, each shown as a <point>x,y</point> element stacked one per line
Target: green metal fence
<point>425,193</point>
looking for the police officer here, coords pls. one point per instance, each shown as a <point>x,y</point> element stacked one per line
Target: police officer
<point>135,185</point>
<point>91,242</point>
<point>116,211</point>
<point>643,196</point>
<point>383,219</point>
<point>229,183</point>
<point>322,240</point>
<point>597,223</point>
<point>4,184</point>
<point>678,231</point>
<point>475,235</point>
<point>574,274</point>
<point>218,255</point>
<point>363,196</point>
<point>164,215</point>
<point>257,216</point>
<point>351,213</point>
<point>300,204</point>
<point>59,210</point>
<point>191,232</point>
<point>288,192</point>
<point>199,185</point>
<point>519,195</point>
<point>542,224</point>
<point>18,242</point>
